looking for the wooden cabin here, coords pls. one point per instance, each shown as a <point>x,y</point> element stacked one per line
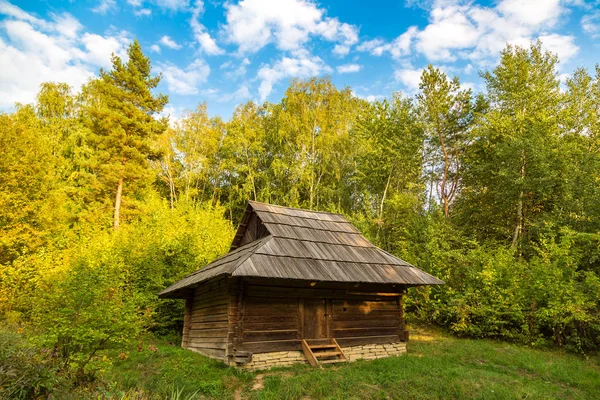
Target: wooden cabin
<point>297,286</point>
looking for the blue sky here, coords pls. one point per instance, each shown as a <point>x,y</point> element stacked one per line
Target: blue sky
<point>228,52</point>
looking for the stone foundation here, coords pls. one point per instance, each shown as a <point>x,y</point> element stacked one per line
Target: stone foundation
<point>286,358</point>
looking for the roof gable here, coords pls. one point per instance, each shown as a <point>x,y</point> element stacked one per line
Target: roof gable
<point>289,243</point>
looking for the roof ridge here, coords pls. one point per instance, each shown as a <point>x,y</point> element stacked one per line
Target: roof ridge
<point>297,209</point>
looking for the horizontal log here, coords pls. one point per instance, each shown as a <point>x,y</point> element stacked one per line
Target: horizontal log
<point>267,301</point>
<point>210,318</point>
<point>270,326</point>
<point>211,295</point>
<point>267,347</point>
<point>270,318</point>
<point>209,325</point>
<point>358,341</point>
<point>360,332</point>
<point>206,333</point>
<point>357,315</point>
<point>205,344</point>
<point>366,323</point>
<point>248,307</point>
<point>213,353</point>
<point>201,307</point>
<point>223,309</point>
<point>263,336</point>
<point>364,305</point>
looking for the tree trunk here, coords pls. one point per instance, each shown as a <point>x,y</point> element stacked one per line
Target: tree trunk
<point>118,202</point>
<point>519,226</point>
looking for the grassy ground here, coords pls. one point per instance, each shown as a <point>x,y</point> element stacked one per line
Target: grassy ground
<point>437,366</point>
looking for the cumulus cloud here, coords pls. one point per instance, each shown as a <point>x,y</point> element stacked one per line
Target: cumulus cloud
<point>205,41</point>
<point>465,30</point>
<point>561,45</point>
<point>252,24</point>
<point>172,5</point>
<point>34,50</point>
<point>241,94</point>
<point>105,6</point>
<point>170,43</point>
<point>142,12</point>
<point>398,48</point>
<point>233,70</point>
<point>184,81</point>
<point>348,68</point>
<point>591,24</point>
<point>100,48</point>
<point>155,48</point>
<point>300,66</point>
<point>410,77</point>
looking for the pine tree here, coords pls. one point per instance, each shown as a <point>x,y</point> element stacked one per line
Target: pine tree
<point>123,111</point>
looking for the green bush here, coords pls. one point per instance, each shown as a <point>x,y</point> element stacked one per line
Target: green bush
<point>26,372</point>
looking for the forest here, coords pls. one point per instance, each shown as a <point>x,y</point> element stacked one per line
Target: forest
<point>104,201</point>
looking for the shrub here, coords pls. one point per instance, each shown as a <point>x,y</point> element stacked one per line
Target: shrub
<point>26,372</point>
<point>86,309</point>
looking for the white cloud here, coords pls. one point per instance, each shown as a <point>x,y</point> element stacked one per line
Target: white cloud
<point>399,47</point>
<point>33,51</point>
<point>590,23</point>
<point>172,5</point>
<point>341,50</point>
<point>348,68</point>
<point>134,3</point>
<point>464,30</point>
<point>184,81</point>
<point>531,12</point>
<point>67,25</point>
<point>206,42</point>
<point>155,48</point>
<point>301,66</point>
<point>410,77</point>
<point>235,71</point>
<point>142,12</point>
<point>241,94</point>
<point>252,24</point>
<point>100,48</point>
<point>105,6</point>
<point>170,43</point>
<point>563,46</point>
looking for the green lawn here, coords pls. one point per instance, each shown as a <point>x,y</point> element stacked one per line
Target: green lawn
<point>437,366</point>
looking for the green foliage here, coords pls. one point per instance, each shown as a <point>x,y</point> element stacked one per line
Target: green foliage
<point>86,308</point>
<point>25,371</point>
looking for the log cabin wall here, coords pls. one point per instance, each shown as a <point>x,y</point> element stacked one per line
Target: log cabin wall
<point>209,310</point>
<point>276,313</point>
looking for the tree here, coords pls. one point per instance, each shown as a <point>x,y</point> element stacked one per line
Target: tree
<point>122,111</point>
<point>389,165</point>
<point>447,111</point>
<point>513,166</point>
<point>312,138</point>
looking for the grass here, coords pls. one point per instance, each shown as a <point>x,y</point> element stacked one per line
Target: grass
<point>437,366</point>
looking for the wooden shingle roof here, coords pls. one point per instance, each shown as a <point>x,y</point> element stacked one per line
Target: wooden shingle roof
<point>290,243</point>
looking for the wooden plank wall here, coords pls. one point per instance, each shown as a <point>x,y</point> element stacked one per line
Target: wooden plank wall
<point>272,317</point>
<point>209,319</point>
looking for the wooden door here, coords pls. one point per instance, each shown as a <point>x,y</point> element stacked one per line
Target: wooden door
<point>315,319</point>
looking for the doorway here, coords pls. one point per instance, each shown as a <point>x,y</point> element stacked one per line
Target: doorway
<point>315,319</point>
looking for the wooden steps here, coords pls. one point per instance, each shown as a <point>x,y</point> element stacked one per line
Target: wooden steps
<point>317,352</point>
